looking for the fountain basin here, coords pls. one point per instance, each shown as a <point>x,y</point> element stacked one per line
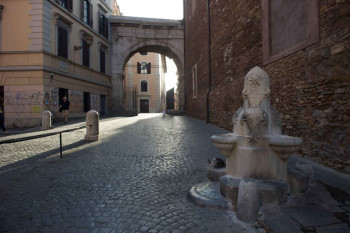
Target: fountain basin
<point>225,142</point>
<point>284,145</point>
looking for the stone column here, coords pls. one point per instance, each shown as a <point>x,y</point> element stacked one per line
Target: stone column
<point>117,92</point>
<point>92,126</point>
<point>46,120</point>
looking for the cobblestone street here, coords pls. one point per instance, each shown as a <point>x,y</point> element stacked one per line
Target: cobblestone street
<point>134,179</point>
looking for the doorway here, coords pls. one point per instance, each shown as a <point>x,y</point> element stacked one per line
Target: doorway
<point>86,101</point>
<point>144,106</point>
<point>62,93</point>
<point>103,105</point>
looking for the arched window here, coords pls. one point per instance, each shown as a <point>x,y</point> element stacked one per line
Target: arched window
<point>144,86</point>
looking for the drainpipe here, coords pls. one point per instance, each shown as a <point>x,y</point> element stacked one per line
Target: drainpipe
<point>184,71</point>
<point>209,61</point>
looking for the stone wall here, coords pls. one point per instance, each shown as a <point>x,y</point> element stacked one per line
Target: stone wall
<point>310,88</point>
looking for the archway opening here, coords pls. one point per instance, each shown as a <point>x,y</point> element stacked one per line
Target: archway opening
<point>152,80</point>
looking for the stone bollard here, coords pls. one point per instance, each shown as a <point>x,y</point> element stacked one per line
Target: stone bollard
<point>92,126</point>
<point>248,200</point>
<point>46,120</point>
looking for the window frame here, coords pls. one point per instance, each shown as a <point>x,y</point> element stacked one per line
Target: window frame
<point>62,25</point>
<point>105,54</point>
<point>312,31</point>
<point>85,48</point>
<point>86,17</point>
<point>68,4</point>
<point>103,25</point>
<point>194,82</point>
<point>144,81</point>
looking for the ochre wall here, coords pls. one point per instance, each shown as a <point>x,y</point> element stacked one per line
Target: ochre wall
<point>15,31</point>
<point>32,73</point>
<point>131,72</point>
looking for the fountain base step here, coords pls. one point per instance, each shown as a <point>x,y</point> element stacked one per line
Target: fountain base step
<point>270,192</point>
<point>208,195</point>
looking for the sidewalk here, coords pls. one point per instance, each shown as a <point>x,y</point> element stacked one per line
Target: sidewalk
<point>16,133</point>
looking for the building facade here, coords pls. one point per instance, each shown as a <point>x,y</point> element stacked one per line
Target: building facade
<point>303,45</point>
<point>144,83</point>
<point>50,49</point>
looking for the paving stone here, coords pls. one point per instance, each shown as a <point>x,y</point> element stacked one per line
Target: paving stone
<point>335,228</point>
<point>280,223</point>
<point>311,215</point>
<point>140,170</point>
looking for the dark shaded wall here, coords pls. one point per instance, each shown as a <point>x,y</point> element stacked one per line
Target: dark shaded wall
<point>196,52</point>
<point>310,88</point>
<point>170,100</point>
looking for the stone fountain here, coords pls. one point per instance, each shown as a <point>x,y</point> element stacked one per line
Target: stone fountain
<point>256,155</point>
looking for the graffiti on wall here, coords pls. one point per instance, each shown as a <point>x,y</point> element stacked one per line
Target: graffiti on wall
<point>95,101</point>
<point>24,98</point>
<point>23,101</point>
<point>54,96</point>
<point>75,93</point>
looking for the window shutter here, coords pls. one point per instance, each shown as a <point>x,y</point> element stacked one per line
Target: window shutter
<point>70,5</point>
<point>139,68</point>
<point>65,43</point>
<point>102,61</point>
<point>82,10</point>
<point>90,15</point>
<point>106,25</point>
<point>59,41</point>
<point>100,23</point>
<point>149,68</point>
<point>86,54</point>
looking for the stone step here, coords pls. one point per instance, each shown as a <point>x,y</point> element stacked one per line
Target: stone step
<point>208,195</point>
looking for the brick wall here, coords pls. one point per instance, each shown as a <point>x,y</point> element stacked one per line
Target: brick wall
<point>196,52</point>
<point>310,88</point>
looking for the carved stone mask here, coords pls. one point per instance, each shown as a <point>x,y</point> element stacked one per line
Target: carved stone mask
<point>256,87</point>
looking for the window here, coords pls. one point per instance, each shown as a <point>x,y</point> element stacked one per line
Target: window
<point>68,4</point>
<point>194,81</point>
<point>86,12</point>
<point>144,86</point>
<point>288,26</point>
<point>85,53</point>
<point>102,61</point>
<point>62,41</point>
<point>86,101</point>
<point>143,68</point>
<point>102,24</point>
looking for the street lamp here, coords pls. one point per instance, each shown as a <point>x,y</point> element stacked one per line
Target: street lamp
<point>88,40</point>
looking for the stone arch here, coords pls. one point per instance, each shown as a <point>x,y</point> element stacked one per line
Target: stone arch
<point>159,47</point>
<point>133,34</point>
<point>163,48</point>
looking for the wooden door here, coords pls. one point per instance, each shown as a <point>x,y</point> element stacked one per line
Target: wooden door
<point>144,106</point>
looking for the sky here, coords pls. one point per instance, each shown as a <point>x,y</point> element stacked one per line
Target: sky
<point>163,9</point>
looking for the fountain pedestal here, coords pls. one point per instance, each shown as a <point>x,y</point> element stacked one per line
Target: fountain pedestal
<point>256,149</point>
